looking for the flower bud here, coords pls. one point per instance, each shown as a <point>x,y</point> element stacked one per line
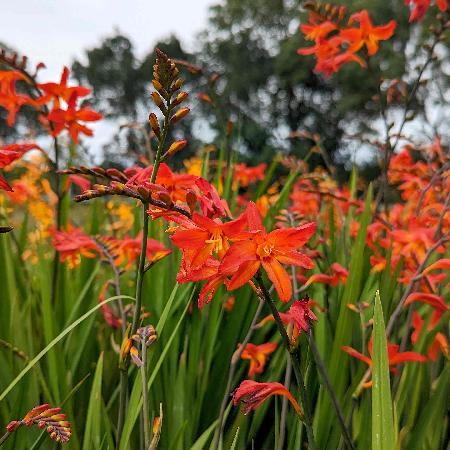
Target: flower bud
<point>175,147</point>
<point>182,112</point>
<point>181,97</point>
<point>153,120</point>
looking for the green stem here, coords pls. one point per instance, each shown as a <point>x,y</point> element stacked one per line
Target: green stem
<point>294,359</point>
<point>326,381</point>
<point>140,277</point>
<point>122,403</point>
<point>146,419</point>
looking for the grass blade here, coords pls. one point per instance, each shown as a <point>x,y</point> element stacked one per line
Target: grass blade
<point>383,436</point>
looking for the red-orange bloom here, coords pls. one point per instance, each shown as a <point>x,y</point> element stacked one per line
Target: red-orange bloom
<point>58,91</point>
<point>340,275</point>
<point>366,34</point>
<point>204,237</point>
<point>71,119</point>
<point>9,98</point>
<point>252,394</point>
<point>258,355</point>
<point>433,300</point>
<point>73,244</point>
<point>128,250</point>
<point>420,8</point>
<point>269,250</point>
<point>439,342</point>
<point>8,154</point>
<point>394,356</point>
<point>299,314</point>
<point>315,31</point>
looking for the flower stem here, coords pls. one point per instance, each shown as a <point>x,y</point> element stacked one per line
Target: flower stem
<point>326,381</point>
<point>294,359</point>
<point>234,360</point>
<point>146,419</point>
<point>4,438</point>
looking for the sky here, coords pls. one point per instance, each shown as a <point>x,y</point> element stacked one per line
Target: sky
<point>56,32</point>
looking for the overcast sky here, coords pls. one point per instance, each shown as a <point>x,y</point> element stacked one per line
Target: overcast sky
<point>57,31</point>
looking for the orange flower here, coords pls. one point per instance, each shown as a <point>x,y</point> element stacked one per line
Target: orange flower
<point>128,249</point>
<point>439,342</point>
<point>340,274</point>
<point>394,356</point>
<point>244,175</point>
<point>433,300</point>
<point>252,394</point>
<point>203,237</point>
<point>269,250</point>
<point>73,244</point>
<point>257,354</point>
<point>420,8</point>
<point>9,98</point>
<point>60,91</point>
<point>366,34</point>
<point>71,119</point>
<point>314,31</point>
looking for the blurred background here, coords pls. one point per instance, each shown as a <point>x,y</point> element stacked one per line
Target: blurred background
<point>270,93</point>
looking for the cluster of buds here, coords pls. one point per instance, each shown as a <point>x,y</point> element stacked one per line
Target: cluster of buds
<point>167,97</point>
<point>326,11</point>
<point>120,183</point>
<point>46,417</point>
<point>145,336</point>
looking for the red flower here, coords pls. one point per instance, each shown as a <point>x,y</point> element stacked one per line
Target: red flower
<point>71,117</point>
<point>420,7</point>
<point>366,34</point>
<point>203,236</point>
<point>299,314</point>
<point>340,274</point>
<point>439,342</point>
<point>252,394</point>
<point>257,354</point>
<point>9,98</point>
<point>269,250</point>
<point>128,249</point>
<point>394,356</point>
<point>73,244</point>
<point>314,31</point>
<point>8,154</point>
<point>433,300</point>
<point>60,91</point>
<point>108,314</point>
<point>208,272</point>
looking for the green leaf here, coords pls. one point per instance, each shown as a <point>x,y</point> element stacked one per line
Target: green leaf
<point>383,436</point>
<point>92,434</point>
<point>433,413</point>
<point>60,336</point>
<point>233,445</point>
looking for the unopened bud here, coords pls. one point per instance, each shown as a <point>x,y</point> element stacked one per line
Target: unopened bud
<point>175,147</point>
<point>153,120</point>
<point>181,97</point>
<point>178,83</point>
<point>182,112</point>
